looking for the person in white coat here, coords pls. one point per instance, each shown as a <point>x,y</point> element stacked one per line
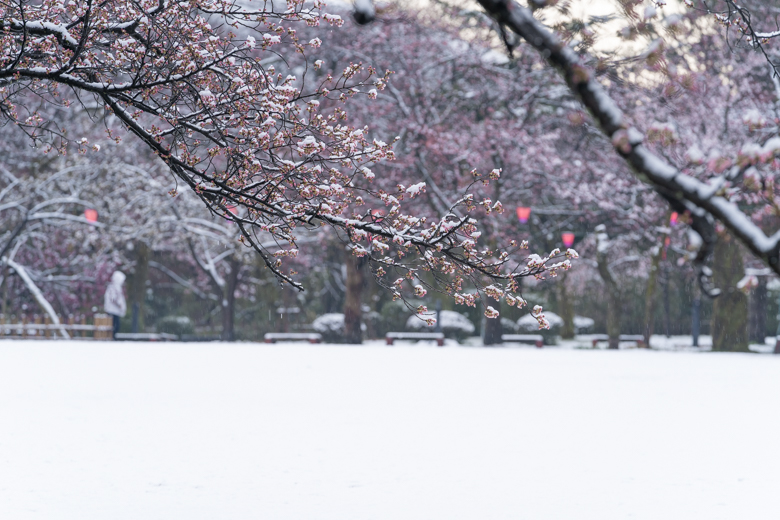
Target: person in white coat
<point>114,300</point>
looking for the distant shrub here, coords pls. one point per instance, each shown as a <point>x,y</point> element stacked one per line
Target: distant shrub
<point>583,325</point>
<point>453,324</point>
<point>392,317</point>
<point>509,326</point>
<point>331,326</point>
<point>178,325</point>
<point>528,324</point>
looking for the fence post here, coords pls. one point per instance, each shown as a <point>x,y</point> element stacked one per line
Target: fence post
<point>47,322</point>
<point>2,325</point>
<point>24,326</point>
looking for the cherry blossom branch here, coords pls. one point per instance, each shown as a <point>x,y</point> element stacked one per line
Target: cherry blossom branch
<point>740,18</point>
<point>683,191</point>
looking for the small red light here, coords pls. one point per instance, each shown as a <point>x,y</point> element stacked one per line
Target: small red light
<point>523,213</point>
<point>673,219</point>
<point>91,214</point>
<point>568,238</point>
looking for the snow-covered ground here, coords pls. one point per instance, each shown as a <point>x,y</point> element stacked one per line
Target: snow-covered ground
<point>249,431</point>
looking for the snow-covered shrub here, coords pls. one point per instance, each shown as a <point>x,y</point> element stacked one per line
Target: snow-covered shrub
<point>392,317</point>
<point>509,326</point>
<point>178,325</point>
<point>372,320</point>
<point>331,326</point>
<point>453,324</point>
<point>583,325</point>
<point>528,325</point>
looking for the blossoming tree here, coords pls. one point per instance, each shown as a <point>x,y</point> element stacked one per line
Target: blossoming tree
<point>197,82</point>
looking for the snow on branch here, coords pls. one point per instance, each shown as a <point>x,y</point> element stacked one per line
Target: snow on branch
<point>268,150</point>
<point>742,20</point>
<point>682,191</point>
<point>37,294</point>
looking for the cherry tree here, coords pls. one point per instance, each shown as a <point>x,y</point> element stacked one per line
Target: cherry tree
<point>197,83</point>
<point>703,199</point>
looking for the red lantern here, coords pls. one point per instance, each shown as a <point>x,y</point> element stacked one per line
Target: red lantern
<point>523,213</point>
<point>673,219</point>
<point>568,238</point>
<point>377,215</point>
<point>91,215</point>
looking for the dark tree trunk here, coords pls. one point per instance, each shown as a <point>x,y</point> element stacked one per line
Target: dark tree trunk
<point>136,282</point>
<point>6,283</point>
<point>613,300</point>
<point>758,303</point>
<point>493,330</point>
<point>565,307</point>
<point>696,314</point>
<point>353,312</point>
<point>667,306</point>
<point>229,300</point>
<point>729,310</point>
<point>284,317</point>
<point>652,281</point>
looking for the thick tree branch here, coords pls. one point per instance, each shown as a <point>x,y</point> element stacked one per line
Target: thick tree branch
<point>683,191</point>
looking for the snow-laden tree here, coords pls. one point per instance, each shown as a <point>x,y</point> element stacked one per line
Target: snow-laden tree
<point>656,37</point>
<point>705,200</point>
<point>458,102</point>
<point>197,82</point>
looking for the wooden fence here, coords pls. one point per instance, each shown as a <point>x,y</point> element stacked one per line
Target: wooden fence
<point>41,327</point>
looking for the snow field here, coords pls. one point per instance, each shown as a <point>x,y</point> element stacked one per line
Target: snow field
<point>243,431</point>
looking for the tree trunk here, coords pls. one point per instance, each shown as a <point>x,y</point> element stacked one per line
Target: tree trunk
<point>136,281</point>
<point>758,303</point>
<point>565,307</point>
<point>652,281</point>
<point>353,312</point>
<point>613,300</point>
<point>6,283</point>
<point>729,310</point>
<point>492,332</point>
<point>284,318</point>
<point>667,305</point>
<point>229,300</point>
<point>696,313</point>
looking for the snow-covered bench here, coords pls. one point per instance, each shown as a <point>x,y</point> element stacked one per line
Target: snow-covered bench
<point>392,336</point>
<point>311,337</point>
<point>640,340</point>
<point>145,336</point>
<point>536,339</point>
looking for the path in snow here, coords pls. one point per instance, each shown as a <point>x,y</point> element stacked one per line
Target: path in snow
<point>243,431</point>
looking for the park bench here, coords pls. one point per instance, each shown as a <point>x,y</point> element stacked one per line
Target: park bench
<point>536,339</point>
<point>311,337</point>
<point>392,336</point>
<point>640,340</point>
<point>145,336</point>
